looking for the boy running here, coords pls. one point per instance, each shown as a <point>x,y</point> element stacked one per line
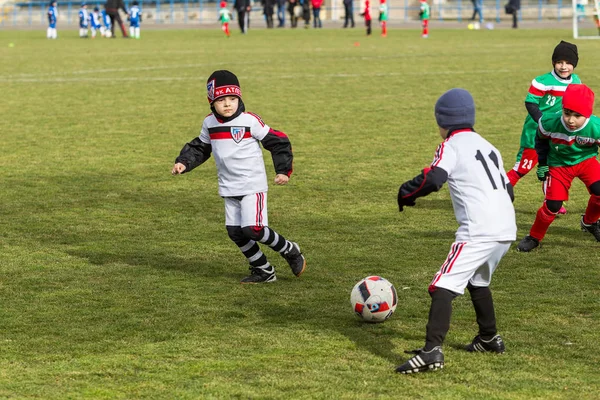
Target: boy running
<point>567,146</point>
<point>234,137</point>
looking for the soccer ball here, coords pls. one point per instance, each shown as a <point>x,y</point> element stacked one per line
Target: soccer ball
<point>374,299</point>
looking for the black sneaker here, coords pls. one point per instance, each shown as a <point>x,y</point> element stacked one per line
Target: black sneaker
<point>295,258</point>
<point>527,244</point>
<point>494,345</point>
<point>594,228</point>
<point>423,361</point>
<point>259,275</point>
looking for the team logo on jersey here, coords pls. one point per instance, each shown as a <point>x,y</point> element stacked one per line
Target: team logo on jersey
<point>585,141</point>
<point>210,90</point>
<point>238,133</point>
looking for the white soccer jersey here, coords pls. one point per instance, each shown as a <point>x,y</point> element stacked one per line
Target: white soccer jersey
<point>477,183</point>
<point>237,153</point>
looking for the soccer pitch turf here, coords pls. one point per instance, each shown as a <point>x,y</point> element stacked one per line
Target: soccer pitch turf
<point>118,280</point>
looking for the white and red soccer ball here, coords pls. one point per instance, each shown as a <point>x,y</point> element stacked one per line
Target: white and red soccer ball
<point>374,299</point>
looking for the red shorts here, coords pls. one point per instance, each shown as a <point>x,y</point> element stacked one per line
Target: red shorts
<point>560,178</point>
<point>526,160</point>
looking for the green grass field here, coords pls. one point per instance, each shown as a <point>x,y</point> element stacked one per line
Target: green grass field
<point>118,281</point>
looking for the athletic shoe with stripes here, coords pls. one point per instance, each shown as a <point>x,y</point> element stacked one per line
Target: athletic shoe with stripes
<point>594,228</point>
<point>259,275</point>
<point>494,345</point>
<point>431,360</point>
<point>295,259</point>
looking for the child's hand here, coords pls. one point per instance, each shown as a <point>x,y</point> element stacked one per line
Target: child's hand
<point>281,179</point>
<point>178,169</point>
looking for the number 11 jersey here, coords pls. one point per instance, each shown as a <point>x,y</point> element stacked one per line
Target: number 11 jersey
<point>477,184</point>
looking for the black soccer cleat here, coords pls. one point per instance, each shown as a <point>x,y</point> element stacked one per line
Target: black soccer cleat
<point>259,275</point>
<point>594,228</point>
<point>494,345</point>
<point>527,244</point>
<point>295,259</point>
<point>431,360</point>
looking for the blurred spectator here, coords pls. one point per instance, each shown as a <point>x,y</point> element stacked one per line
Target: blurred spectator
<point>112,9</point>
<point>306,12</point>
<point>243,8</point>
<point>281,13</point>
<point>513,8</point>
<point>268,10</point>
<point>316,7</point>
<point>293,8</point>
<point>477,9</point>
<point>349,9</point>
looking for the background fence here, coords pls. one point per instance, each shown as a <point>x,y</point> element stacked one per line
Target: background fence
<point>205,11</point>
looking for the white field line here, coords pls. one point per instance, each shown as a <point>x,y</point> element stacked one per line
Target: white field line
<point>34,79</point>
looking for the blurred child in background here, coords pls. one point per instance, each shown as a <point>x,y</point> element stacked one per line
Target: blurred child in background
<point>367,16</point>
<point>135,18</point>
<point>95,24</point>
<point>83,21</point>
<point>105,28</point>
<point>52,17</point>
<point>383,16</point>
<point>424,15</point>
<point>224,17</point>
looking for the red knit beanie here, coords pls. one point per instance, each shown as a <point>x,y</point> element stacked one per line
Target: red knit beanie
<point>579,98</point>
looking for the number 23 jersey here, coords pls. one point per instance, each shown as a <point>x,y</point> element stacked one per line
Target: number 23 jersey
<point>477,184</point>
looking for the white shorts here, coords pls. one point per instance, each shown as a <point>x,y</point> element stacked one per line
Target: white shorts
<point>469,262</point>
<point>251,210</point>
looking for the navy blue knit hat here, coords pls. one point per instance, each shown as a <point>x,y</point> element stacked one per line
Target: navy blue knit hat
<point>455,109</point>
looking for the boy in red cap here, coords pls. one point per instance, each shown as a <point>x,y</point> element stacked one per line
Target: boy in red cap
<point>424,16</point>
<point>224,17</point>
<point>567,146</point>
<point>234,137</point>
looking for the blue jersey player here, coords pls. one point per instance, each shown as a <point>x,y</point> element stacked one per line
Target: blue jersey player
<point>105,28</point>
<point>83,21</point>
<point>52,17</point>
<point>95,21</point>
<point>135,17</point>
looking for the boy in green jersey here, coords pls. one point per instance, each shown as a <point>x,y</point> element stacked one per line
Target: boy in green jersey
<point>224,17</point>
<point>544,96</point>
<point>383,16</point>
<point>424,16</point>
<point>567,146</point>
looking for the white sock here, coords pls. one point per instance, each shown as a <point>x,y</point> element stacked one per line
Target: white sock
<point>137,33</point>
<point>131,31</point>
<point>49,33</point>
<point>54,34</point>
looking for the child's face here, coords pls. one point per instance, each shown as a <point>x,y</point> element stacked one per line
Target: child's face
<point>572,119</point>
<point>227,105</point>
<point>563,68</point>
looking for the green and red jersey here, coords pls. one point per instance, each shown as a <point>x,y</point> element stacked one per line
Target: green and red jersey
<point>569,147</point>
<point>546,91</point>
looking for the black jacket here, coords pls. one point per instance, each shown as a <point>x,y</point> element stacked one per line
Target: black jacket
<point>115,5</point>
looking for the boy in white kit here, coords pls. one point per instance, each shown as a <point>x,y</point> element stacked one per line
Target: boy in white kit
<point>482,199</point>
<point>234,137</point>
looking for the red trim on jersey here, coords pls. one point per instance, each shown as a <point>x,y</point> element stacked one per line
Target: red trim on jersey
<point>459,131</point>
<point>425,171</point>
<point>565,142</point>
<point>260,121</point>
<point>277,133</point>
<point>438,154</point>
<point>226,135</point>
<point>535,91</point>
